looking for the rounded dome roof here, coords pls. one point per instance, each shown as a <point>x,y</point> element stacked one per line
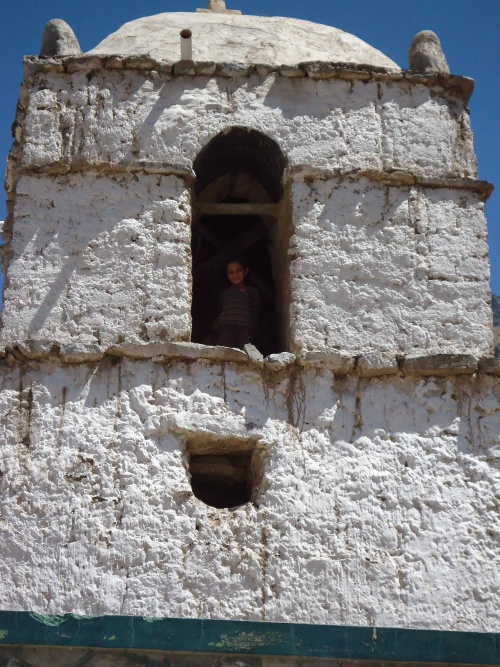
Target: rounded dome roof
<point>243,39</point>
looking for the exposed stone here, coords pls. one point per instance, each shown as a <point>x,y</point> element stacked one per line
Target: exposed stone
<point>59,39</point>
<point>77,353</point>
<point>464,83</point>
<point>12,351</point>
<point>83,63</point>
<point>233,69</point>
<point>164,67</point>
<point>36,349</point>
<point>265,70</point>
<point>277,362</point>
<point>205,68</point>
<point>161,352</point>
<point>292,71</point>
<point>374,364</point>
<point>10,359</point>
<point>114,62</point>
<point>348,74</point>
<point>426,54</point>
<point>320,70</point>
<point>184,68</point>
<point>34,64</point>
<point>490,366</point>
<point>253,353</point>
<point>140,62</point>
<point>339,363</point>
<point>440,364</point>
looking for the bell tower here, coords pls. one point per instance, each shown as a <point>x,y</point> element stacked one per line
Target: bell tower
<point>327,494</point>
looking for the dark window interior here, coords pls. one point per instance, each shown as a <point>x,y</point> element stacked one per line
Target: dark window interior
<point>218,238</point>
<point>222,480</point>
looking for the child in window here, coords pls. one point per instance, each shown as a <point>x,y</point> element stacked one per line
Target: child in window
<point>239,307</point>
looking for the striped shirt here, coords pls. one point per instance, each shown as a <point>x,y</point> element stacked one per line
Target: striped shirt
<point>240,305</point>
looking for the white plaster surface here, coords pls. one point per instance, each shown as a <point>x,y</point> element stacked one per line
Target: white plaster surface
<point>378,499</point>
<point>399,270</point>
<point>106,259</point>
<point>110,117</point>
<point>241,39</point>
<point>378,505</point>
<point>100,259</point>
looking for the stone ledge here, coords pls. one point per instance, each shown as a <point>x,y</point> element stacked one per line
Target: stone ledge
<point>316,69</point>
<point>162,352</point>
<point>77,354</point>
<point>392,178</point>
<point>371,364</point>
<point>339,363</point>
<point>376,364</point>
<point>280,361</point>
<point>440,364</point>
<point>490,366</point>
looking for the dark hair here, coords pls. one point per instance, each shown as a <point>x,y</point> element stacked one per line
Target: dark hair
<point>237,259</point>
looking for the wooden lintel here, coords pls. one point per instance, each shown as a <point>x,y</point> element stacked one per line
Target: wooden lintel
<point>202,208</point>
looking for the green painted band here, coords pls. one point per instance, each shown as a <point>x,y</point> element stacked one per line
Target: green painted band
<point>250,638</point>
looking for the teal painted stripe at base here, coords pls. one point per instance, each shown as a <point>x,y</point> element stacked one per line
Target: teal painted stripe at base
<point>250,638</point>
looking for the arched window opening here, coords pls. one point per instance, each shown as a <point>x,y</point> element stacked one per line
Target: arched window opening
<point>238,211</point>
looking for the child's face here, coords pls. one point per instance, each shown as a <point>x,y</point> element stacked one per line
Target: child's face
<point>236,273</point>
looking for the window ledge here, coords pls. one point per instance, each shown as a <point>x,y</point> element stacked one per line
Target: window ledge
<point>371,364</point>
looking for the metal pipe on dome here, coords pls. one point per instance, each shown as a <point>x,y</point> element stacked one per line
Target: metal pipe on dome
<point>186,44</point>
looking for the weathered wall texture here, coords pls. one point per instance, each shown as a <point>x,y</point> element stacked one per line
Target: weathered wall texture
<point>99,259</point>
<point>377,501</point>
<point>389,238</point>
<point>111,117</point>
<point>370,510</point>
<point>393,269</point>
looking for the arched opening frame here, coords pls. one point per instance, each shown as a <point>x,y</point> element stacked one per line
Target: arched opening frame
<point>240,207</point>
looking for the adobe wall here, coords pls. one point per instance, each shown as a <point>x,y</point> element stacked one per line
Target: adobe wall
<point>398,270</point>
<point>104,116</point>
<point>376,501</point>
<point>388,251</point>
<point>99,259</point>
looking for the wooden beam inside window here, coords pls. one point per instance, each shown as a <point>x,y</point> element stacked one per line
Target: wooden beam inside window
<point>202,208</point>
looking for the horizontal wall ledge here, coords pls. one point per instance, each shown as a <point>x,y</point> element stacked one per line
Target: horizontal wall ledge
<point>369,364</point>
<point>447,83</point>
<point>250,638</point>
<point>392,178</point>
<point>79,166</point>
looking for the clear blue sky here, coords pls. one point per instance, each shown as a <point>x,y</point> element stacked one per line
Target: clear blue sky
<point>469,33</point>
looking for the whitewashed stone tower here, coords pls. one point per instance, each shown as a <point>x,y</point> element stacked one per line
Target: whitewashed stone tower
<point>349,477</point>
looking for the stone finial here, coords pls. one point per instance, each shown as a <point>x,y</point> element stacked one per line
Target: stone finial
<point>218,7</point>
<point>59,40</point>
<point>426,54</point>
